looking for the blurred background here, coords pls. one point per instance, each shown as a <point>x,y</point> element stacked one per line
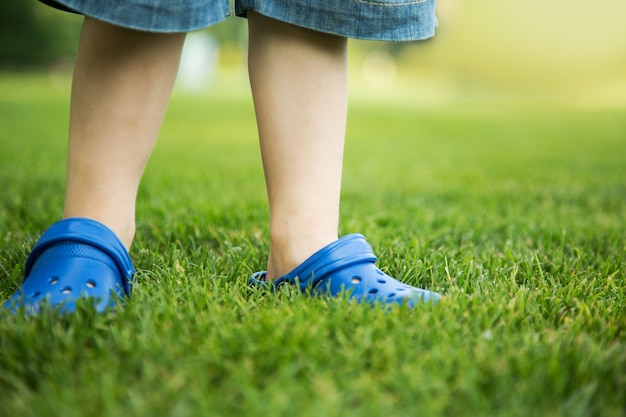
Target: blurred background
<point>535,50</point>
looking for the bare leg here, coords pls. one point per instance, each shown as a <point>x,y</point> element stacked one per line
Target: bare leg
<point>122,83</point>
<point>299,84</point>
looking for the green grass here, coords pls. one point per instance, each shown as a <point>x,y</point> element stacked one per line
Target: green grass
<point>515,213</point>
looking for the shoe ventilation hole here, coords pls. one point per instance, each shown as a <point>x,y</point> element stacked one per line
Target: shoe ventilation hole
<point>356,280</point>
<point>380,272</point>
<point>393,294</point>
<point>66,290</point>
<point>373,291</point>
<point>35,294</point>
<point>54,280</point>
<point>91,284</point>
<point>400,289</point>
<point>381,281</point>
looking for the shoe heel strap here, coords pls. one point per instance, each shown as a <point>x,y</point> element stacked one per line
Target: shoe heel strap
<point>88,232</point>
<point>347,251</point>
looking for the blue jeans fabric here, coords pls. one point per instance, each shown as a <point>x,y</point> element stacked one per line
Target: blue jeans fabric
<point>388,20</point>
<point>385,20</point>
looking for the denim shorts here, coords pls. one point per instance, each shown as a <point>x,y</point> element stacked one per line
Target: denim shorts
<point>387,20</point>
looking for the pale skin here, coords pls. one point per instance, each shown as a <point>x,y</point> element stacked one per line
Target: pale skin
<point>122,83</point>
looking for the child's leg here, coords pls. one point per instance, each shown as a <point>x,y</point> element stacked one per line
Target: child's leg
<point>299,84</point>
<point>122,83</point>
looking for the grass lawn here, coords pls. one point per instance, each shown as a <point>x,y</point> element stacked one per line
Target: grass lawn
<point>515,213</point>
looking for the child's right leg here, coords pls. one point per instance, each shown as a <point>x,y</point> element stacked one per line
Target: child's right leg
<point>122,83</point>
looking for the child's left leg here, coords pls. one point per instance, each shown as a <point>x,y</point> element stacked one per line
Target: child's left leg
<point>299,83</point>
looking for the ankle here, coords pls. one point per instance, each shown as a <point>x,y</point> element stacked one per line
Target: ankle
<point>287,253</point>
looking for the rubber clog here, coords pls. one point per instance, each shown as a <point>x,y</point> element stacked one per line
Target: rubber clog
<point>74,259</point>
<point>347,266</point>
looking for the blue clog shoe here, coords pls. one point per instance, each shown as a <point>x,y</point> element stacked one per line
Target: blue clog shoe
<point>75,258</point>
<point>347,266</point>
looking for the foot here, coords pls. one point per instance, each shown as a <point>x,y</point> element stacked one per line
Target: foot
<point>347,266</point>
<point>74,259</point>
